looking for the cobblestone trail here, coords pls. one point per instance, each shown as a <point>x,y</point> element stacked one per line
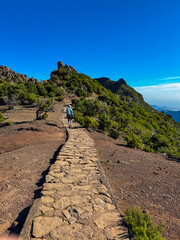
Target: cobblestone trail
<point>75,202</point>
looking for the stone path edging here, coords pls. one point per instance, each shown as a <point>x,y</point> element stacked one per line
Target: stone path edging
<point>76,203</point>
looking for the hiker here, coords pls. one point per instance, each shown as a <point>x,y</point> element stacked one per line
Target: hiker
<point>70,115</point>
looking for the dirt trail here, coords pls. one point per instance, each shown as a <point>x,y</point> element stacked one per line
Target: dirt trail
<point>27,148</point>
<point>142,179</point>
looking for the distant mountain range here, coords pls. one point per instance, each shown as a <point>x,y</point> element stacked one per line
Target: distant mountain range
<point>128,93</point>
<point>164,108</point>
<point>169,111</point>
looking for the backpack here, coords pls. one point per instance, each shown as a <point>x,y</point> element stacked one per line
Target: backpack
<point>68,113</point>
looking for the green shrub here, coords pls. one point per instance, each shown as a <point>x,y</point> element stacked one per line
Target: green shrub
<point>8,123</point>
<point>42,90</point>
<point>45,116</point>
<point>1,117</point>
<point>2,80</point>
<point>104,98</point>
<point>148,149</point>
<point>141,131</point>
<point>60,99</point>
<point>122,119</point>
<point>104,122</point>
<point>79,117</point>
<point>31,87</point>
<point>134,141</point>
<point>90,123</point>
<point>158,141</point>
<point>81,92</point>
<point>175,154</point>
<point>142,226</point>
<point>51,94</point>
<point>115,125</point>
<point>114,133</point>
<point>32,98</point>
<point>44,107</point>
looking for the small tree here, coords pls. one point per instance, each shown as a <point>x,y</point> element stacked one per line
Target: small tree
<point>114,133</point>
<point>81,92</point>
<point>90,122</point>
<point>10,101</point>
<point>134,141</point>
<point>104,122</point>
<point>43,108</point>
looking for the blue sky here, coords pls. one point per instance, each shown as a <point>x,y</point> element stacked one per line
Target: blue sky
<point>136,40</point>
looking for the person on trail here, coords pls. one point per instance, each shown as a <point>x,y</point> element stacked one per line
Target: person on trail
<point>70,115</point>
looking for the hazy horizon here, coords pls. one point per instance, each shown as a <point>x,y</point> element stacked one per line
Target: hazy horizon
<point>161,95</point>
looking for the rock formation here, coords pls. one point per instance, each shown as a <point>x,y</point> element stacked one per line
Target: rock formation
<point>61,65</point>
<point>9,75</point>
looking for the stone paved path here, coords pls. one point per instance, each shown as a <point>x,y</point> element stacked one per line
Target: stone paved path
<point>75,202</point>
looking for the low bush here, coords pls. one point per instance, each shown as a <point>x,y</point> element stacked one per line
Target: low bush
<point>148,149</point>
<point>90,123</point>
<point>60,99</point>
<point>104,122</point>
<point>43,108</point>
<point>134,141</point>
<point>78,116</point>
<point>45,116</point>
<point>142,226</point>
<point>81,92</point>
<point>114,133</point>
<point>159,141</point>
<point>9,123</point>
<point>1,117</point>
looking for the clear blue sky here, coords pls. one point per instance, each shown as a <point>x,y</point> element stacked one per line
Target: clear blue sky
<point>138,40</point>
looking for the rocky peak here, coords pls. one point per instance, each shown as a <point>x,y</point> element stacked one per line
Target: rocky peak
<point>61,65</point>
<point>10,76</point>
<point>122,81</point>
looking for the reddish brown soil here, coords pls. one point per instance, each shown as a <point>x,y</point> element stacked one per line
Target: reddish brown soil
<point>26,152</point>
<point>142,179</point>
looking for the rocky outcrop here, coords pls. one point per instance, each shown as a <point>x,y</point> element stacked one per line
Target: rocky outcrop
<point>10,76</point>
<point>62,66</point>
<point>54,74</point>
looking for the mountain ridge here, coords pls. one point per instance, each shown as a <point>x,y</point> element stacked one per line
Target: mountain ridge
<point>9,75</point>
<point>124,114</point>
<point>124,91</point>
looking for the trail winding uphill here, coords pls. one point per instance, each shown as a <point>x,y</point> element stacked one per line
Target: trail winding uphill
<point>76,201</point>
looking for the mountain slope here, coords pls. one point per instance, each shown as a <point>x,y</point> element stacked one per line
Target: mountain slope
<point>97,107</point>
<point>124,91</point>
<point>174,113</point>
